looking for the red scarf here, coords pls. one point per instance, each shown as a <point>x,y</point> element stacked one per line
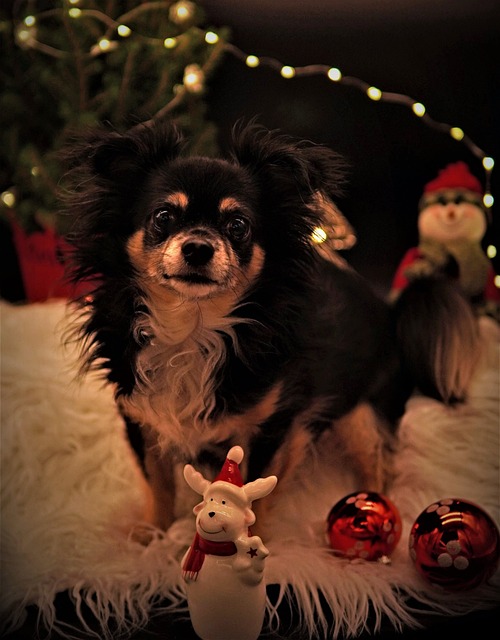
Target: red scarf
<point>198,550</point>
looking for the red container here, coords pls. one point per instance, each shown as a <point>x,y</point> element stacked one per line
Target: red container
<point>41,260</point>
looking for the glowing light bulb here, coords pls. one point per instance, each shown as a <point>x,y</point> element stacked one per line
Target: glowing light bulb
<point>170,43</point>
<point>319,235</point>
<point>104,44</point>
<point>287,71</point>
<point>418,109</point>
<point>74,12</point>
<point>373,93</point>
<point>123,31</point>
<point>491,251</point>
<point>211,37</point>
<point>181,11</point>
<point>8,198</point>
<point>25,36</point>
<point>488,200</point>
<point>35,171</point>
<point>488,163</point>
<point>497,282</point>
<point>30,21</point>
<point>334,74</point>
<point>457,133</point>
<point>194,78</point>
<point>252,61</point>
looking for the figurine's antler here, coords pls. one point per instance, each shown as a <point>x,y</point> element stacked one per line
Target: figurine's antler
<point>260,488</point>
<point>195,480</point>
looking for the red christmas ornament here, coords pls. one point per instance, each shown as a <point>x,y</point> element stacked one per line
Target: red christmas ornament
<point>455,544</point>
<point>364,525</point>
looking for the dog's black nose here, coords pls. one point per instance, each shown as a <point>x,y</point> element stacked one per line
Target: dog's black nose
<point>197,253</point>
<point>211,514</point>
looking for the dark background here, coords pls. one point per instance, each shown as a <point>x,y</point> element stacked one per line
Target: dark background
<point>442,53</point>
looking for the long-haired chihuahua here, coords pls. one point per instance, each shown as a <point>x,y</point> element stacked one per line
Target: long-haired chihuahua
<point>218,320</point>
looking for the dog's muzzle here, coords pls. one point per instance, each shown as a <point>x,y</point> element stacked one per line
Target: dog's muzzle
<point>196,263</point>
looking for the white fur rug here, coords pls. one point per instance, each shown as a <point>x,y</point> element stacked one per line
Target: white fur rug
<point>72,494</point>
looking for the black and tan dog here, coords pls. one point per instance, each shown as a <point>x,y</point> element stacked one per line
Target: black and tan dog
<point>220,323</point>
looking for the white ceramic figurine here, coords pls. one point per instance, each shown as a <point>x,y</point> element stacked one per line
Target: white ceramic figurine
<point>224,567</point>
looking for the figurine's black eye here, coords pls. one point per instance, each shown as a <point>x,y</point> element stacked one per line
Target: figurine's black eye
<point>443,200</point>
<point>459,199</point>
<point>223,502</point>
<point>238,228</point>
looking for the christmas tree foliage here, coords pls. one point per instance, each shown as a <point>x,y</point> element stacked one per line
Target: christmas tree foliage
<point>70,64</point>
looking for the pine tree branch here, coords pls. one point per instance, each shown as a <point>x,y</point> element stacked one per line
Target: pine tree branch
<point>131,15</point>
<point>161,88</point>
<point>121,103</point>
<point>48,50</point>
<point>79,57</point>
<point>128,16</point>
<point>179,98</point>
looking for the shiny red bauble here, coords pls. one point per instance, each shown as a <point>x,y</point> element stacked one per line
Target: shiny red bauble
<point>364,525</point>
<point>455,544</point>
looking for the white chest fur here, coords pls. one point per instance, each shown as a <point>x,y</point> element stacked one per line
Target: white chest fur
<point>176,370</point>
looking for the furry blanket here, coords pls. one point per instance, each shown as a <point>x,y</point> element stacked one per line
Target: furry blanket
<point>72,495</point>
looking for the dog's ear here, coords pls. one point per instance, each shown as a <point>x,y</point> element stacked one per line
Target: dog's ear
<point>277,158</point>
<point>122,156</point>
<point>296,177</point>
<point>115,157</point>
<point>105,170</point>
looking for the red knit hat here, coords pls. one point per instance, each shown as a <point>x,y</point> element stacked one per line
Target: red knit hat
<point>230,471</point>
<point>455,176</point>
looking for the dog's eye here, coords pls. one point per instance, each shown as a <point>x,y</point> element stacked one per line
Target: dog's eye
<point>238,228</point>
<point>163,216</point>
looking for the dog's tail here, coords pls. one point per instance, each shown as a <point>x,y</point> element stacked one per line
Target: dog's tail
<point>438,338</point>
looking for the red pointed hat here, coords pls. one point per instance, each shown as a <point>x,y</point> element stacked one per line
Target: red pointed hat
<point>454,176</point>
<point>230,471</point>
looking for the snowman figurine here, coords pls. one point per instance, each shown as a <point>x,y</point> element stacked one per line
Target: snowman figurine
<point>223,569</point>
<point>451,224</point>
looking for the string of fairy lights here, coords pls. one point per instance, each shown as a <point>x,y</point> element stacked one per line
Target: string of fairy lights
<point>194,76</point>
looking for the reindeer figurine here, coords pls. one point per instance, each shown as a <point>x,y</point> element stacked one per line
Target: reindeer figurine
<point>224,567</point>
